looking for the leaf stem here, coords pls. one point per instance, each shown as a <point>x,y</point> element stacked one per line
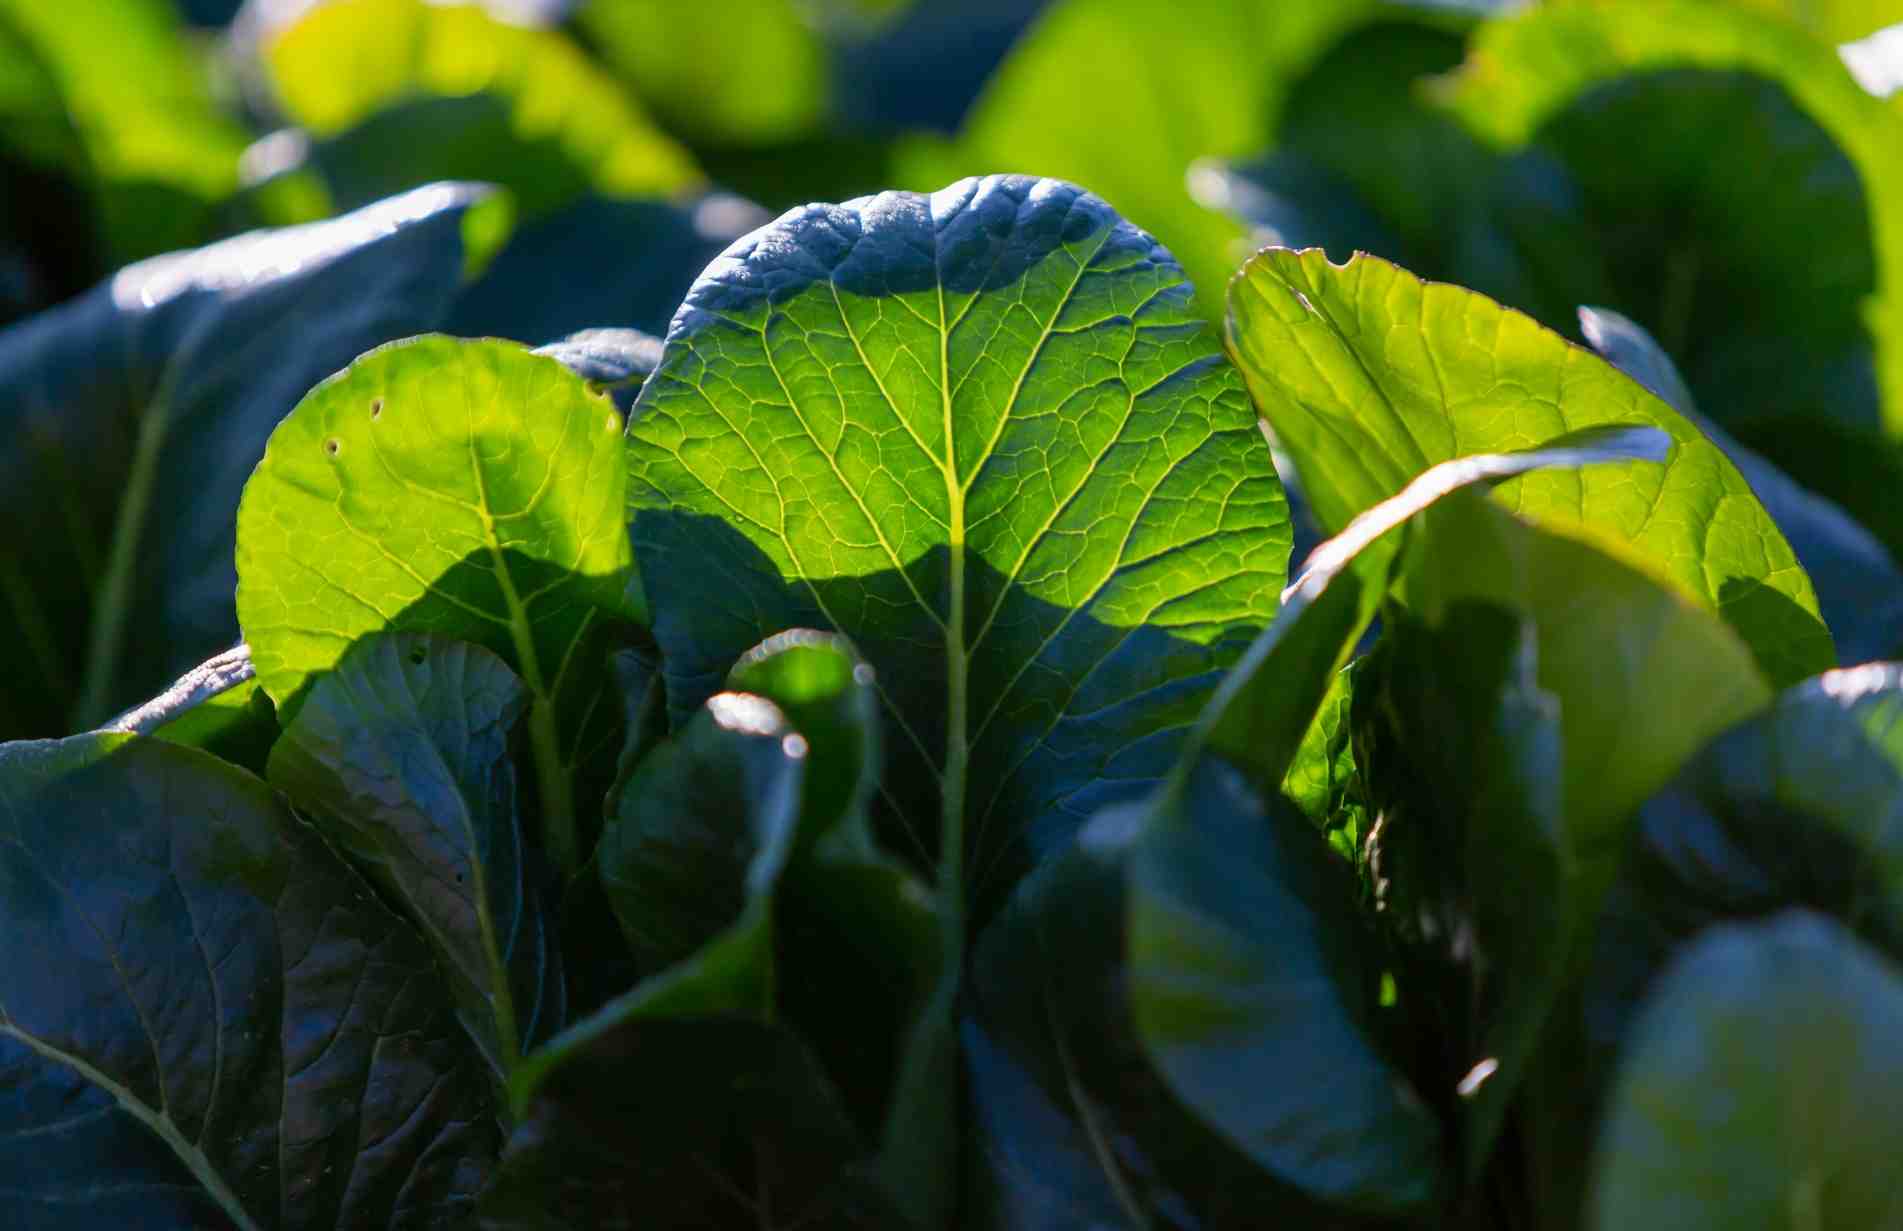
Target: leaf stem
<point>158,1122</point>
<point>112,602</point>
<point>555,786</point>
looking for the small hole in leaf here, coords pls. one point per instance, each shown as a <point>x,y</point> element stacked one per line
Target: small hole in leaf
<point>416,657</point>
<point>332,446</point>
<point>376,409</point>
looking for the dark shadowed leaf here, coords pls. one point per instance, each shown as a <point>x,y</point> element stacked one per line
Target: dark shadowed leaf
<point>401,757</point>
<point>1760,1088</point>
<point>133,415</point>
<point>1158,977</point>
<point>1474,866</point>
<point>194,978</point>
<point>741,868</point>
<point>599,262</point>
<point>1799,806</point>
<point>1523,72</point>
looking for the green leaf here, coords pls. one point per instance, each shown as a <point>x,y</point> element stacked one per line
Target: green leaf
<point>691,857</point>
<point>1795,807</point>
<point>741,869</point>
<point>597,262</point>
<point>204,1006</point>
<point>468,489</point>
<point>1477,876</point>
<point>719,1122</point>
<point>217,705</point>
<point>520,106</point>
<point>1323,780</point>
<point>1704,1133</point>
<point>1396,374</point>
<point>984,435</point>
<point>726,72</point>
<point>133,415</point>
<point>868,982</point>
<point>1168,85</point>
<point>1643,674</point>
<point>1168,977</point>
<point>1834,21</point>
<point>1522,72</point>
<point>1143,948</point>
<point>140,124</point>
<point>400,756</point>
<point>1859,588</point>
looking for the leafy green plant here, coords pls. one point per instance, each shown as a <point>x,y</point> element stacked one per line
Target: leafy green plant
<point>860,759</point>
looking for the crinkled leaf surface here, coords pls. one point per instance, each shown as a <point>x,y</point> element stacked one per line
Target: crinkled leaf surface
<point>469,489</point>
<point>1760,1088</point>
<point>202,1000</point>
<point>1522,71</point>
<point>1859,588</point>
<point>1369,376</point>
<point>134,415</point>
<point>554,121</point>
<point>983,434</point>
<point>401,757</point>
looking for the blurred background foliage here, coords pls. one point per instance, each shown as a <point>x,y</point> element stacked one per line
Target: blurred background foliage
<point>1726,173</point>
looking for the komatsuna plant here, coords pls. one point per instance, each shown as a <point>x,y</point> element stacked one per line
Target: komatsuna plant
<point>882,780</point>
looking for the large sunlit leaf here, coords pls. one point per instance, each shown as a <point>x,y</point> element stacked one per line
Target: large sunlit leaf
<point>1369,376</point>
<point>401,757</point>
<point>470,489</point>
<point>513,104</point>
<point>132,416</point>
<point>1760,1088</point>
<point>985,435</point>
<point>206,1019</point>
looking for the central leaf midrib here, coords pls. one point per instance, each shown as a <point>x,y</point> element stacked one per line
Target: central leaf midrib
<point>160,1124</point>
